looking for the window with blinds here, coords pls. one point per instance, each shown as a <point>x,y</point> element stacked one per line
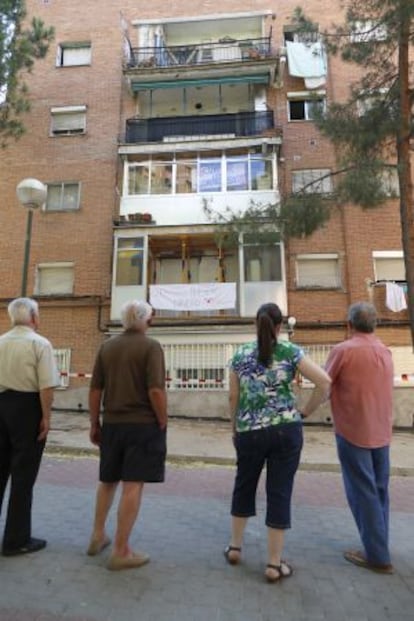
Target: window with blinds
<point>73,54</point>
<point>312,181</point>
<point>68,120</point>
<point>389,265</point>
<point>318,271</point>
<point>55,278</point>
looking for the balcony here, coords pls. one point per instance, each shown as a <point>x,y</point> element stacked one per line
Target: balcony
<point>197,127</point>
<point>227,50</point>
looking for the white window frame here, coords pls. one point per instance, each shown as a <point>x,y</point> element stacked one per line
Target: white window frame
<point>68,265</point>
<point>77,54</point>
<point>68,120</point>
<point>321,178</point>
<point>62,206</point>
<point>62,358</point>
<point>390,256</point>
<point>198,162</point>
<point>314,257</point>
<point>309,99</point>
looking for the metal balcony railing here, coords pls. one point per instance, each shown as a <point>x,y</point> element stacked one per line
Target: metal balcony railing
<point>223,51</point>
<point>186,127</point>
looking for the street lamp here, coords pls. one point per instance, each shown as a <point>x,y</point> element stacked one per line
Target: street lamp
<point>291,322</point>
<point>31,194</point>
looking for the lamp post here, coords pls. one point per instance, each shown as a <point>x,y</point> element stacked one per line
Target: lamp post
<point>291,322</point>
<point>31,193</point>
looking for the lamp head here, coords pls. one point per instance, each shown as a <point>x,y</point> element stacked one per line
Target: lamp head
<point>31,193</point>
<point>291,321</point>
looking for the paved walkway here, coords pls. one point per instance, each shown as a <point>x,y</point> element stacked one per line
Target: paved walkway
<point>184,525</point>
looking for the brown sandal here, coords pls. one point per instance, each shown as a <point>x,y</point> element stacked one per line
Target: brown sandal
<point>284,570</point>
<point>234,559</point>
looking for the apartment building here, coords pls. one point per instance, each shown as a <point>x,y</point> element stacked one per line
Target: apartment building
<point>148,123</point>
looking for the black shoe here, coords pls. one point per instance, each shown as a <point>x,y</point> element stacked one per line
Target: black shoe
<point>33,545</point>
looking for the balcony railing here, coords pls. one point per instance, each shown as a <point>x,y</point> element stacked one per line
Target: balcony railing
<point>195,127</point>
<point>224,51</point>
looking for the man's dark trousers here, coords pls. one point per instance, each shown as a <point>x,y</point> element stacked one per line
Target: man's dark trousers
<point>20,457</point>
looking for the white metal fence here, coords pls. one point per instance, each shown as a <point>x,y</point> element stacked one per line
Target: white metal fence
<point>204,366</point>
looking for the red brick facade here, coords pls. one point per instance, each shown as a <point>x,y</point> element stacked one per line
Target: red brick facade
<point>85,236</point>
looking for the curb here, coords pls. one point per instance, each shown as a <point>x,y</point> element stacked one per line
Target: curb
<point>207,460</point>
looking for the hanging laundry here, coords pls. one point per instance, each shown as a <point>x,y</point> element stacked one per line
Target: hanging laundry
<point>395,297</point>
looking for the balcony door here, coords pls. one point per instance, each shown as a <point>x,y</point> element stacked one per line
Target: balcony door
<point>262,274</point>
<point>129,271</point>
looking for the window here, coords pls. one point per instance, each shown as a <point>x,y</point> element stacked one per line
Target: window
<point>54,278</point>
<point>312,181</point>
<point>390,182</point>
<point>186,181</point>
<point>243,172</point>
<point>68,120</point>
<point>209,175</point>
<point>129,261</point>
<point>62,358</point>
<point>389,265</point>
<point>304,109</point>
<point>63,196</point>
<point>73,54</point>
<point>318,271</point>
<point>363,31</point>
<point>262,260</point>
<point>237,177</point>
<point>291,34</point>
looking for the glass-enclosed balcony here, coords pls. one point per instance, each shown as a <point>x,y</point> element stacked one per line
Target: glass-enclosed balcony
<point>226,50</point>
<point>187,127</point>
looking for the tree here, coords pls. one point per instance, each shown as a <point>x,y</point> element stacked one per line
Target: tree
<point>372,131</point>
<point>19,49</point>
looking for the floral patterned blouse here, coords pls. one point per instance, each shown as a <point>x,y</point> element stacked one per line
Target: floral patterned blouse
<point>266,396</point>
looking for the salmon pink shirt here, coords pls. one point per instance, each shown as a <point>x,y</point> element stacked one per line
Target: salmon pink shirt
<point>362,375</point>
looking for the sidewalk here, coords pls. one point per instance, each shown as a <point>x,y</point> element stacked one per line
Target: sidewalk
<point>210,442</point>
<point>184,525</point>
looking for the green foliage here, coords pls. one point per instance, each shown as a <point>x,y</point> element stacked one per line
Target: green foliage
<point>366,128</point>
<point>19,49</point>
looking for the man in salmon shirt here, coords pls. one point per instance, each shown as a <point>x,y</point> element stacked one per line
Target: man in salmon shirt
<point>362,374</point>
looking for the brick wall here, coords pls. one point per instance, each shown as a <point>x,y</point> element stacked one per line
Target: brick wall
<point>85,237</point>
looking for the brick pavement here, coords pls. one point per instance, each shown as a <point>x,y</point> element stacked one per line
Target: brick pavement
<point>184,525</point>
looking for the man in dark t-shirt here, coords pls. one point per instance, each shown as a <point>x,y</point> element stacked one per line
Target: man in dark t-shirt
<point>128,379</point>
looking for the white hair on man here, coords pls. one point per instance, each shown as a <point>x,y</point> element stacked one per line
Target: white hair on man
<point>22,311</point>
<point>135,315</point>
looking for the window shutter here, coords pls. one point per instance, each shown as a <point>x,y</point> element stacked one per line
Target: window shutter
<point>68,122</point>
<point>76,56</point>
<point>56,279</point>
<point>317,272</point>
<point>389,268</point>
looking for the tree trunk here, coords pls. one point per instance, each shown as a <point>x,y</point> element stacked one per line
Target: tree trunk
<point>404,167</point>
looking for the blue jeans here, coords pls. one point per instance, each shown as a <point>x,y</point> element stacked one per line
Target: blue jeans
<point>278,447</point>
<point>366,474</point>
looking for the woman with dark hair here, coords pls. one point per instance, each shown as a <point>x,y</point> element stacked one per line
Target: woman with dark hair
<point>267,428</point>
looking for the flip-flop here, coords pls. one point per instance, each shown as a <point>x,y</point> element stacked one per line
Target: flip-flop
<point>284,570</point>
<point>232,560</point>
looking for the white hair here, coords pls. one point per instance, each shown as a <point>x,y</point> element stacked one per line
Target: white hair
<point>135,314</point>
<point>22,310</point>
